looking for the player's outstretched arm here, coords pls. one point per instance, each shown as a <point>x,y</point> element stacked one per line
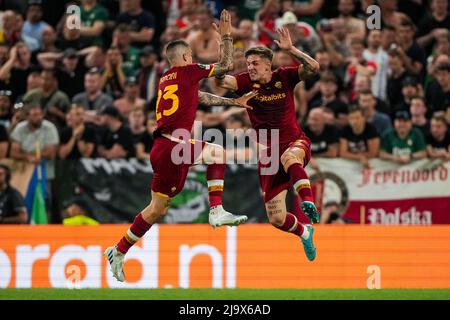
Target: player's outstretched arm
<point>309,66</point>
<point>226,55</point>
<point>210,99</point>
<point>227,82</point>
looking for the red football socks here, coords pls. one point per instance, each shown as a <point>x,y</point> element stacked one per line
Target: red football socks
<point>215,174</point>
<point>134,233</point>
<point>292,225</point>
<point>301,183</point>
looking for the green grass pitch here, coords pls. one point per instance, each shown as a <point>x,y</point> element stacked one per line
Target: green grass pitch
<point>223,294</point>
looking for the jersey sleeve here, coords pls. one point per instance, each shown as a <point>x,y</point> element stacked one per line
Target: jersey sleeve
<point>290,76</point>
<point>199,71</point>
<point>243,83</point>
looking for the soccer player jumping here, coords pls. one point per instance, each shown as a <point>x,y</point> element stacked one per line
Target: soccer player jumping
<point>176,107</point>
<point>274,108</point>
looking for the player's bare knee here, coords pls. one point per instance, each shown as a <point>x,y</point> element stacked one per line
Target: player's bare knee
<point>275,218</point>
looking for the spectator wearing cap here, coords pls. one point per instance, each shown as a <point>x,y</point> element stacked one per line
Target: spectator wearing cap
<point>368,103</point>
<point>54,102</point>
<point>359,139</point>
<point>92,98</point>
<point>71,72</point>
<point>418,111</point>
<point>34,25</point>
<point>438,91</point>
<point>329,99</point>
<point>142,138</point>
<point>130,55</point>
<point>438,139</point>
<point>130,99</point>
<point>93,21</point>
<point>78,139</point>
<point>117,140</point>
<point>14,73</point>
<point>149,73</point>
<point>434,24</point>
<point>397,73</point>
<point>5,108</point>
<point>12,203</point>
<point>142,22</point>
<point>78,213</point>
<point>411,88</point>
<point>303,35</point>
<point>403,143</point>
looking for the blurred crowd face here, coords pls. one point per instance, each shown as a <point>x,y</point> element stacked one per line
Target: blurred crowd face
<point>48,36</point>
<point>374,39</point>
<point>49,83</point>
<point>114,56</point>
<point>76,116</point>
<point>405,34</point>
<point>24,55</point>
<point>204,21</point>
<point>443,45</point>
<point>282,59</point>
<point>34,81</point>
<point>323,58</point>
<point>409,91</point>
<point>246,29</point>
<point>346,7</point>
<point>418,109</point>
<point>316,120</point>
<point>9,20</point>
<point>34,14</point>
<point>123,39</point>
<point>92,83</point>
<point>356,120</point>
<point>328,88</point>
<point>339,29</point>
<point>443,78</point>
<point>3,54</point>
<point>357,50</point>
<point>395,63</point>
<point>132,91</point>
<point>439,5</point>
<point>70,63</point>
<point>387,38</point>
<point>258,67</point>
<point>137,119</point>
<point>402,127</point>
<point>88,2</point>
<point>438,129</point>
<point>35,117</point>
<point>239,61</point>
<point>188,7</point>
<point>367,102</point>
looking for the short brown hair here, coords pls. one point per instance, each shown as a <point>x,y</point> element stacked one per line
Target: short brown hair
<point>440,118</point>
<point>261,51</point>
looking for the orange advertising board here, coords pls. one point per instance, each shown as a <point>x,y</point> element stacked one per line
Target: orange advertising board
<point>250,256</point>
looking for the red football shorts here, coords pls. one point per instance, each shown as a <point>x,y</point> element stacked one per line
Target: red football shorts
<point>272,185</point>
<point>168,177</point>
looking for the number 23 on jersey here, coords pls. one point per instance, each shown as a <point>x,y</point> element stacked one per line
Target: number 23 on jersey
<point>169,94</point>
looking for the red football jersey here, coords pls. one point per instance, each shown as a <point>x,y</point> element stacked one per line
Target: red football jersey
<point>178,96</point>
<point>274,106</point>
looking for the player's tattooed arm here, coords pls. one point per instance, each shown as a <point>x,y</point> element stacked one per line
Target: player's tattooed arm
<point>210,99</point>
<point>226,46</point>
<point>309,66</point>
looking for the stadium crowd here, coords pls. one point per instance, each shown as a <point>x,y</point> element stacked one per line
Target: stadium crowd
<point>91,90</point>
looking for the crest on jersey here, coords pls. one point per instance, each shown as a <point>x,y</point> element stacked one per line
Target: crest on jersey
<point>278,85</point>
<point>256,85</point>
<point>204,66</point>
